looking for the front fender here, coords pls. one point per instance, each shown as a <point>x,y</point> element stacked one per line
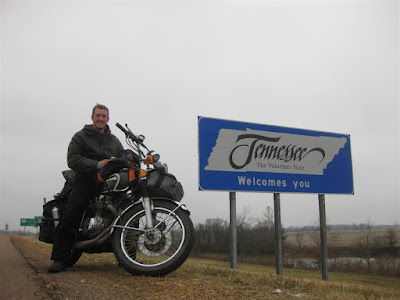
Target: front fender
<point>139,202</point>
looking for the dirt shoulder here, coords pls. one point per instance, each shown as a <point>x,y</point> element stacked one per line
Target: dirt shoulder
<point>17,279</point>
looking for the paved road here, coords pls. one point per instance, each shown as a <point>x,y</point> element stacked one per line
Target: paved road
<point>17,279</point>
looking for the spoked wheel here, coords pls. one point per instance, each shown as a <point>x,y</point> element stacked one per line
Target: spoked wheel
<point>154,251</point>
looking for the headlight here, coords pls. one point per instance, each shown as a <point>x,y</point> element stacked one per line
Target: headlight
<point>156,157</point>
<point>152,157</point>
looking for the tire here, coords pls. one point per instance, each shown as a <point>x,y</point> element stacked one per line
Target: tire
<point>160,250</point>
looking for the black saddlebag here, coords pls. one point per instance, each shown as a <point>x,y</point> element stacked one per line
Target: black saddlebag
<point>161,184</point>
<point>47,230</point>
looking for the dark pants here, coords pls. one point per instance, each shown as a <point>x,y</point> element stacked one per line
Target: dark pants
<point>84,190</point>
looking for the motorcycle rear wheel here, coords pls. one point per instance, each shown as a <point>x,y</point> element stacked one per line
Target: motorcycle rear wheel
<point>156,251</point>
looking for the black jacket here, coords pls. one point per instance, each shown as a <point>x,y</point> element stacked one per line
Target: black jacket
<point>88,147</point>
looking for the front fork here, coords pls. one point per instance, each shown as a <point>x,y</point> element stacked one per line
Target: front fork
<point>148,210</point>
<point>147,205</point>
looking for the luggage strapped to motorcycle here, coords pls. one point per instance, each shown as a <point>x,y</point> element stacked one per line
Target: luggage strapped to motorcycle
<point>164,184</point>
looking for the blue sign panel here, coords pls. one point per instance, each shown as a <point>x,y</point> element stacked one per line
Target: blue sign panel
<point>239,156</point>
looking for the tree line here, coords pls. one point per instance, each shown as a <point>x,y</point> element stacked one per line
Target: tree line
<point>257,236</point>
<point>253,236</point>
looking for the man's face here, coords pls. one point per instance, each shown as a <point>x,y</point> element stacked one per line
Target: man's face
<point>100,119</point>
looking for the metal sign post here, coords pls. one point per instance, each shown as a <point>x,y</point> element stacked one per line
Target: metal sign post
<point>324,241</point>
<point>278,234</point>
<point>233,225</point>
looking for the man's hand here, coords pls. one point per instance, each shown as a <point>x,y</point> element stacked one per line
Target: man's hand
<point>102,163</point>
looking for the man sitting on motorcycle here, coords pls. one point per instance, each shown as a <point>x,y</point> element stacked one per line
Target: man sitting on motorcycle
<point>89,150</point>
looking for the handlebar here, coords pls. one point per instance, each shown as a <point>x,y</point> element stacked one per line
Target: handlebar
<point>139,139</point>
<point>122,129</point>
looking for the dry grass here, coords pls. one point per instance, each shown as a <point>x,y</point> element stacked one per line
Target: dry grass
<point>210,279</point>
<point>299,283</point>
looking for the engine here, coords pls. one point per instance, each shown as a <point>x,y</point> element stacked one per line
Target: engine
<point>98,217</point>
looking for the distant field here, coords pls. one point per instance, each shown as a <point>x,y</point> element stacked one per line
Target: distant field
<point>344,237</point>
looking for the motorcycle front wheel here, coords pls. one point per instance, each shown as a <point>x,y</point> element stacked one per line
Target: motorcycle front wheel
<point>154,251</point>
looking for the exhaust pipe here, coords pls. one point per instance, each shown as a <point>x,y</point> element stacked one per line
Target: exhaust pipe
<point>97,241</point>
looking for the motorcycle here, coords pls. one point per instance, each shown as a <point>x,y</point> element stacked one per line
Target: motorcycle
<point>137,214</point>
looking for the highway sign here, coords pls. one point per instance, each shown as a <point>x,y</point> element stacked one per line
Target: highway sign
<point>240,156</point>
<point>29,222</point>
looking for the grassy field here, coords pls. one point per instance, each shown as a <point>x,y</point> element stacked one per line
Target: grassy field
<point>216,280</point>
<point>344,237</point>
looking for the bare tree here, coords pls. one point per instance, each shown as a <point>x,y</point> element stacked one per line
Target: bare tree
<point>263,233</point>
<point>212,236</point>
<point>299,239</point>
<point>269,225</point>
<point>366,241</point>
<point>314,234</point>
<point>390,239</point>
<point>244,223</point>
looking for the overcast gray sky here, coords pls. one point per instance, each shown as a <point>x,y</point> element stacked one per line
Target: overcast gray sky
<point>319,65</point>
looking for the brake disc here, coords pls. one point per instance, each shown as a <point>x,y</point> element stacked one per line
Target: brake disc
<point>154,242</point>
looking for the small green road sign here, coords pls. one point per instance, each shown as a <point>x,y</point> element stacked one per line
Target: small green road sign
<point>29,222</point>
